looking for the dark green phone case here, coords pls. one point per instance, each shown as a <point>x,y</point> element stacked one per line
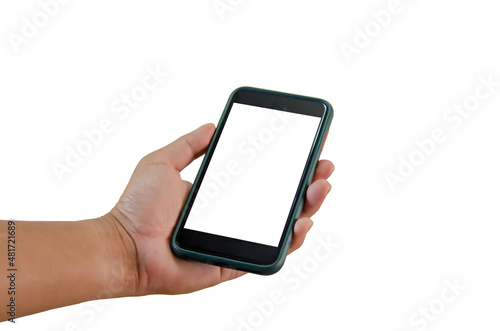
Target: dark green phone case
<point>275,266</point>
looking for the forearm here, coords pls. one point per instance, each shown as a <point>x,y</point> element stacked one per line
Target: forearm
<point>62,263</point>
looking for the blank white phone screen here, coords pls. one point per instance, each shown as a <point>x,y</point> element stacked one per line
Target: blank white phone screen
<point>249,186</point>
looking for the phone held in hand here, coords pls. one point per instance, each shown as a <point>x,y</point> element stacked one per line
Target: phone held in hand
<point>251,185</point>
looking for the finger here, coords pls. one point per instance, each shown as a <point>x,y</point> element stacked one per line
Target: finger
<point>187,148</point>
<point>228,274</point>
<point>187,188</point>
<point>315,195</point>
<point>324,169</point>
<point>302,226</point>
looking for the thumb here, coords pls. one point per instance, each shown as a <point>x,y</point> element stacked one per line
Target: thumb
<point>181,152</point>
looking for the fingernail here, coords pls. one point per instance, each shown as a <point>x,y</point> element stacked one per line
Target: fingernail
<point>329,188</point>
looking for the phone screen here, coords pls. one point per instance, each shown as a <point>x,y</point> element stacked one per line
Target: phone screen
<point>252,178</point>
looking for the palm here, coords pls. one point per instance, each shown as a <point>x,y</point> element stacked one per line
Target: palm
<point>152,202</point>
<point>150,207</point>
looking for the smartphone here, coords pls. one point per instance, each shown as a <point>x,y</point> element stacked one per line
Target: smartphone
<point>251,185</point>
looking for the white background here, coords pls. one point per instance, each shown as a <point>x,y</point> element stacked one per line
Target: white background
<point>396,248</point>
<point>269,153</point>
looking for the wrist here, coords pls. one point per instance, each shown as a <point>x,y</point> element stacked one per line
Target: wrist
<point>119,258</point>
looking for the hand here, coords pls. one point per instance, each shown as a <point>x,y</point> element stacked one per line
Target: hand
<point>148,210</point>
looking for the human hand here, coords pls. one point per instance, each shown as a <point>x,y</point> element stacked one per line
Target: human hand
<point>150,205</point>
